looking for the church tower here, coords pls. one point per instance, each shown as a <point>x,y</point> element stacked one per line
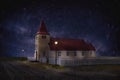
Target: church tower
<point>42,38</point>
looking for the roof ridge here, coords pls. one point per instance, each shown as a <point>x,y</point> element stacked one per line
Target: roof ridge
<point>67,38</point>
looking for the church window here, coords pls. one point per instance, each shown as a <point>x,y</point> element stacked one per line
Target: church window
<point>59,53</point>
<point>67,53</point>
<point>71,53</point>
<point>75,53</point>
<point>83,53</point>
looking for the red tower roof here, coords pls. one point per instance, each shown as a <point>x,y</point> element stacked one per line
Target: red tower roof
<point>42,28</point>
<point>70,44</point>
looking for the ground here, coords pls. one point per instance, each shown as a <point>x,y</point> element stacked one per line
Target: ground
<point>23,70</point>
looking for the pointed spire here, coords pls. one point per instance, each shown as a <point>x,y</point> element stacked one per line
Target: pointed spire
<point>42,28</point>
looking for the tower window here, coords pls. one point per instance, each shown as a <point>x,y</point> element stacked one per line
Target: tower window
<point>43,37</point>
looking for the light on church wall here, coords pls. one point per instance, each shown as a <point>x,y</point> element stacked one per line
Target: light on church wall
<point>56,42</point>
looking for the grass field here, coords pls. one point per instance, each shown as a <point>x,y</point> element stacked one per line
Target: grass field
<point>13,58</point>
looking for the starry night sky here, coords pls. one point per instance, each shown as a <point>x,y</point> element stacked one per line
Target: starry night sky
<point>95,21</point>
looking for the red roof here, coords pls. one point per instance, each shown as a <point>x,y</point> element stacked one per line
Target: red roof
<point>90,46</point>
<point>69,44</point>
<point>42,29</point>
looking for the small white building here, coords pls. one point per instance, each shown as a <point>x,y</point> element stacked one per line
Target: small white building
<point>61,51</point>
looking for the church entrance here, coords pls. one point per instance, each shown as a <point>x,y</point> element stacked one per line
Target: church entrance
<point>46,57</point>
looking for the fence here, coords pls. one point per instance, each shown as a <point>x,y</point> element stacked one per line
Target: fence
<point>90,61</point>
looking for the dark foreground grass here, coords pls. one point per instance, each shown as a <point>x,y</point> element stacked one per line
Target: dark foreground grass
<point>108,66</point>
<point>97,67</point>
<point>84,72</point>
<point>13,58</point>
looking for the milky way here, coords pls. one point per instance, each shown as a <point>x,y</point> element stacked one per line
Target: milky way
<point>86,20</point>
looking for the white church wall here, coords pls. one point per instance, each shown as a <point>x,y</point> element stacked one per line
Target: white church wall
<point>52,54</point>
<point>79,54</point>
<point>63,54</point>
<point>52,61</point>
<point>73,60</point>
<point>90,61</point>
<point>93,54</point>
<point>67,60</point>
<point>43,60</point>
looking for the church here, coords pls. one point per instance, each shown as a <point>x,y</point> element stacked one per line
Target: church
<point>60,51</point>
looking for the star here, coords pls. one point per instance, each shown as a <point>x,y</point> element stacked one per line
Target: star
<point>22,50</point>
